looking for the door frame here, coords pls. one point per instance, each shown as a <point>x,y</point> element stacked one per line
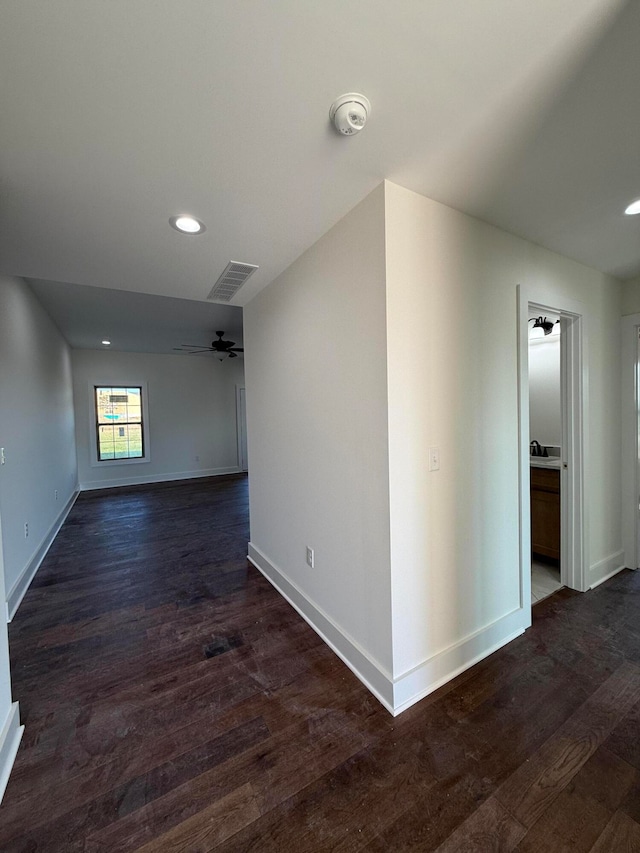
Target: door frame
<point>239,425</point>
<point>573,395</point>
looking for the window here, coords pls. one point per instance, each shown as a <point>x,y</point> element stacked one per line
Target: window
<point>119,422</point>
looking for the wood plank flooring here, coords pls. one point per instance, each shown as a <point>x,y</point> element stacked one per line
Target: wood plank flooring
<point>174,702</point>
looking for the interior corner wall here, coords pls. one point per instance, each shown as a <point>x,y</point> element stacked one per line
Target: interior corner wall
<point>191,417</point>
<point>317,433</point>
<point>453,385</point>
<point>36,432</point>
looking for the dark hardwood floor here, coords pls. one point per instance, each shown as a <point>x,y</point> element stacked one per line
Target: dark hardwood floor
<point>174,702</point>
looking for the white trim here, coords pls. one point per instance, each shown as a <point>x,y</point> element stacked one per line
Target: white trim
<point>629,439</point>
<point>93,439</point>
<point>442,667</point>
<point>239,425</point>
<point>524,466</point>
<point>575,383</point>
<point>372,674</point>
<point>10,737</point>
<point>605,569</point>
<point>157,478</point>
<point>395,694</point>
<point>22,583</point>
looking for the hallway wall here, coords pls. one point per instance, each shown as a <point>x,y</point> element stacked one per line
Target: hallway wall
<point>36,430</point>
<point>37,435</point>
<point>384,363</point>
<point>317,426</point>
<point>453,383</point>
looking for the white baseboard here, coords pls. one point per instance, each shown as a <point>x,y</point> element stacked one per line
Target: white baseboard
<point>10,736</point>
<point>445,665</point>
<point>157,478</point>
<point>374,676</point>
<point>395,694</point>
<point>21,585</point>
<point>605,569</point>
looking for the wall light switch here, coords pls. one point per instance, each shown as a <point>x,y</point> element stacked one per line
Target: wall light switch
<point>310,557</point>
<point>434,458</point>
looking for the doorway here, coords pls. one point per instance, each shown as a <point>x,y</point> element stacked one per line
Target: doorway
<point>631,439</point>
<point>570,462</point>
<point>241,421</point>
<point>545,442</point>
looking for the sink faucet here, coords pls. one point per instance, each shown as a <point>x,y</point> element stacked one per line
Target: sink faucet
<point>536,449</point>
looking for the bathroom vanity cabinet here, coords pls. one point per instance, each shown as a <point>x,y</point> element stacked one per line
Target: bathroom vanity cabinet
<point>545,512</point>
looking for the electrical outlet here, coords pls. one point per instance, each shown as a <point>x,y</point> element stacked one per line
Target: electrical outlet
<point>2,459</point>
<point>26,530</point>
<point>310,557</point>
<point>434,458</point>
<point>56,494</point>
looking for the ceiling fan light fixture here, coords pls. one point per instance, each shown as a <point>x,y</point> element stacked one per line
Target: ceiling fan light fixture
<point>634,208</point>
<point>106,343</point>
<point>220,348</point>
<point>187,224</point>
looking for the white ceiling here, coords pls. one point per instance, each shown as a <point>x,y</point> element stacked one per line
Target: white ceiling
<point>134,322</point>
<point>117,115</point>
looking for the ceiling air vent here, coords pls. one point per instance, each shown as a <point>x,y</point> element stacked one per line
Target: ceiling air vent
<point>231,280</point>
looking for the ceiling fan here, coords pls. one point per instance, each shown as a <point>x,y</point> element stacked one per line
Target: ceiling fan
<point>222,349</point>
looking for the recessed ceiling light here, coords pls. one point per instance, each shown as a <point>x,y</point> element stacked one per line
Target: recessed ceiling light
<point>107,343</point>
<point>187,224</point>
<point>633,208</point>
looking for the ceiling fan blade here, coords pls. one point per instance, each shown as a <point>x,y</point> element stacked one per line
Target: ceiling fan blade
<point>195,346</point>
<point>232,354</point>
<point>236,349</point>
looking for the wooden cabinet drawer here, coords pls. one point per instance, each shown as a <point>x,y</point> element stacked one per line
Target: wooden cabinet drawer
<point>547,479</point>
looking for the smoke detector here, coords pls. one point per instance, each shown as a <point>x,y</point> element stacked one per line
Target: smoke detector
<point>349,113</point>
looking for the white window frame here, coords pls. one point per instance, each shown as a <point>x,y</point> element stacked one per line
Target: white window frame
<point>93,437</point>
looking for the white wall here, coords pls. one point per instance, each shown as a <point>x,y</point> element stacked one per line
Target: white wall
<point>385,358</point>
<point>36,430</point>
<point>631,297</point>
<point>544,390</point>
<point>317,429</point>
<point>192,413</point>
<point>455,561</point>
<point>37,434</point>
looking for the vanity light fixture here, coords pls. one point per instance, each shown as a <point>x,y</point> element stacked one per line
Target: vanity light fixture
<point>633,208</point>
<point>187,224</point>
<point>541,323</point>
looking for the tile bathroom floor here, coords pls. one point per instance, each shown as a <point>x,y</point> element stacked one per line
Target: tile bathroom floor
<point>545,579</point>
